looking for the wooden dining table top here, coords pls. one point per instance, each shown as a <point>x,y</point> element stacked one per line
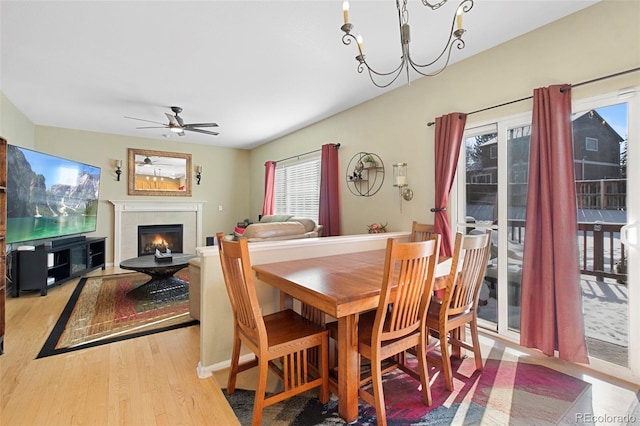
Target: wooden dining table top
<point>338,285</point>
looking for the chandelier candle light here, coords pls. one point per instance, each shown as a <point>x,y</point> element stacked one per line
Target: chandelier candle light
<point>435,67</point>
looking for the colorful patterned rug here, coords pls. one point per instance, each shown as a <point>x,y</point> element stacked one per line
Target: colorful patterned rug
<point>508,391</point>
<point>100,312</point>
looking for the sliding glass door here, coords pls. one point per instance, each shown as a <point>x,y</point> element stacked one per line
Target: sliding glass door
<point>492,191</point>
<point>494,195</point>
<point>607,157</point>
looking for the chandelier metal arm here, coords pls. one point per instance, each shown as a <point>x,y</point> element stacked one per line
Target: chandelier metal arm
<point>347,39</point>
<point>455,39</point>
<point>396,73</point>
<point>434,6</point>
<point>418,68</point>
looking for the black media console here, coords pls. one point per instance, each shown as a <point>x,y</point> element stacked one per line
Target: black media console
<point>52,264</point>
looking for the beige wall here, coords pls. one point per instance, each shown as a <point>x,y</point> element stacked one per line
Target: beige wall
<point>600,40</point>
<point>15,127</point>
<point>220,167</point>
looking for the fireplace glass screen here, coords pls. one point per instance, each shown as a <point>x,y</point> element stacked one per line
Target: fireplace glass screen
<point>159,237</point>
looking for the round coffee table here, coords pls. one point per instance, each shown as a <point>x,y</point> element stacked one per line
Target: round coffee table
<point>163,285</point>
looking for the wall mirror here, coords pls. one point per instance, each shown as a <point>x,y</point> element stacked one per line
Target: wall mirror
<point>159,173</point>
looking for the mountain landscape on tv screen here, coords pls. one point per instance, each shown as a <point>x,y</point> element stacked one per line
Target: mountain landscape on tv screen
<point>32,196</point>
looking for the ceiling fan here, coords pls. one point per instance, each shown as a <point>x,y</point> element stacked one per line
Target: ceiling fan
<point>177,125</point>
<point>147,161</point>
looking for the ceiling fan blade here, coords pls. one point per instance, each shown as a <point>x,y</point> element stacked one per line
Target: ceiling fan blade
<point>151,127</point>
<point>200,125</point>
<point>172,119</point>
<point>206,132</point>
<point>141,119</point>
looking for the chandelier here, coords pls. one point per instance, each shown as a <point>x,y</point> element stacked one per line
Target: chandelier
<point>435,67</point>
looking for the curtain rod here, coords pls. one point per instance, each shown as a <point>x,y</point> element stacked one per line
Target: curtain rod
<point>431,123</point>
<point>335,145</point>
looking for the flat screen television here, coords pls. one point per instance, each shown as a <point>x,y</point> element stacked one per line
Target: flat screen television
<point>49,197</point>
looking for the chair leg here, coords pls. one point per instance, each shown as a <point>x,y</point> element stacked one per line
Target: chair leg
<point>233,369</point>
<point>378,392</point>
<point>424,375</point>
<point>261,389</point>
<point>457,334</point>
<point>446,360</point>
<point>473,327</point>
<point>324,370</point>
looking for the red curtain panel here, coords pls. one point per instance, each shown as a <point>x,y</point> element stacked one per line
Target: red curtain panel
<point>551,315</point>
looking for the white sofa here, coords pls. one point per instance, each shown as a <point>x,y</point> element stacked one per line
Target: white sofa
<point>281,227</point>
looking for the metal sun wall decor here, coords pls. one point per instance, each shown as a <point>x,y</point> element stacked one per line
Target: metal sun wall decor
<point>365,174</point>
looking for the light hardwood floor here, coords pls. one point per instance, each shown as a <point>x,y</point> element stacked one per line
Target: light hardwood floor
<point>150,380</point>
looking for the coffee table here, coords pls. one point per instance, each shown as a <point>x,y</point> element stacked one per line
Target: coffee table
<point>163,285</point>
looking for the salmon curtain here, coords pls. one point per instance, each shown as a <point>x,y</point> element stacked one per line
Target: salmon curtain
<point>449,130</point>
<point>329,214</point>
<point>551,316</point>
<point>269,205</point>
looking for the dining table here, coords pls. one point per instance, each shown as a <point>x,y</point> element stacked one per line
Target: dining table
<point>341,286</point>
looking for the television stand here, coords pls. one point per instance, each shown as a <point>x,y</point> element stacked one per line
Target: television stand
<point>50,265</point>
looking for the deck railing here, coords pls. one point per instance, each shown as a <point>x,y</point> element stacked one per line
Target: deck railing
<point>602,253</point>
<point>600,194</point>
<point>604,194</point>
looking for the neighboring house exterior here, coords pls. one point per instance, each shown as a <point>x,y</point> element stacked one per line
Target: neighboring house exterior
<point>596,147</point>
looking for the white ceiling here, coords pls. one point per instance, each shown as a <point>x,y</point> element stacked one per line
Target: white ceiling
<point>260,69</point>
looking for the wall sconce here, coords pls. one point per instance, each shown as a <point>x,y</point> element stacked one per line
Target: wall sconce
<point>198,174</point>
<point>118,169</point>
<point>400,180</point>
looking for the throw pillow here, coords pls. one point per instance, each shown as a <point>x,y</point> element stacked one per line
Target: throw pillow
<point>238,232</point>
<point>275,218</point>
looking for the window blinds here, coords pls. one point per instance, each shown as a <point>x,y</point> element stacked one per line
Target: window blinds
<point>297,188</point>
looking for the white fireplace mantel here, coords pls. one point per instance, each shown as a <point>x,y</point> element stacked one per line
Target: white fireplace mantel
<point>149,210</point>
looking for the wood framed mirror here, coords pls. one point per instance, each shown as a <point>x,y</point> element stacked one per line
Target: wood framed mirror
<point>159,173</point>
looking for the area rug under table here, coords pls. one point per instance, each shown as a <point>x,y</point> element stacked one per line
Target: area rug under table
<point>100,312</point>
<point>507,391</point>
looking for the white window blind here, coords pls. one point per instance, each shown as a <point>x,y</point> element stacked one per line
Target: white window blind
<point>297,188</point>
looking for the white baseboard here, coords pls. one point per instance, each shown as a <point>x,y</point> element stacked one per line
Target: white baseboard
<point>207,371</point>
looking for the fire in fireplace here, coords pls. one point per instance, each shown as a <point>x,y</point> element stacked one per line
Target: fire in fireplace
<point>159,237</point>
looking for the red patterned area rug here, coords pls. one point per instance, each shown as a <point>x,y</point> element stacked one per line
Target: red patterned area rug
<point>100,312</point>
<point>509,391</point>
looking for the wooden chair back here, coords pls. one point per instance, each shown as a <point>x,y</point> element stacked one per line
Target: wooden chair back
<point>400,325</point>
<point>238,278</point>
<point>469,262</point>
<point>421,231</point>
<point>406,288</point>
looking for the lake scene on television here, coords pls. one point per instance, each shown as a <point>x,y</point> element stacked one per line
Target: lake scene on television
<point>49,196</point>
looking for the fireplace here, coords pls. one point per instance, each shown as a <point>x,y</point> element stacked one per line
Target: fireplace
<point>159,237</point>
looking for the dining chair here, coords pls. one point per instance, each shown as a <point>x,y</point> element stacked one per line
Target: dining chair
<point>459,306</point>
<point>281,340</point>
<point>399,322</point>
<point>421,231</point>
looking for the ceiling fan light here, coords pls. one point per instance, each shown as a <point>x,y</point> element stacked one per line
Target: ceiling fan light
<point>175,129</point>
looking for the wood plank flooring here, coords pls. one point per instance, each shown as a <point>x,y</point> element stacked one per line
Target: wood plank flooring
<point>152,380</point>
<point>149,380</point>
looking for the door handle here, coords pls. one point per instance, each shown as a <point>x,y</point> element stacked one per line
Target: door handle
<point>629,235</point>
